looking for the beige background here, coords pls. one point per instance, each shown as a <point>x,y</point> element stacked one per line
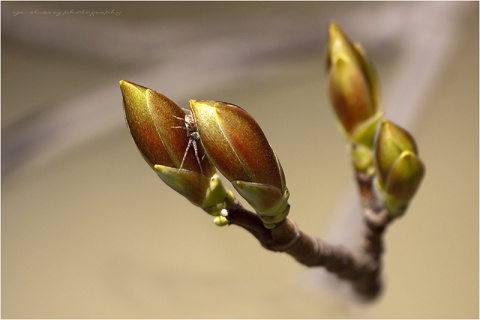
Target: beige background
<point>89,231</point>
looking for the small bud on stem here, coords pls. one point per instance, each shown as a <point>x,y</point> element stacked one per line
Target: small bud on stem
<point>400,170</point>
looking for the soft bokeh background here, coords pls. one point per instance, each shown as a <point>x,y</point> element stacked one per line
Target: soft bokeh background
<point>88,230</point>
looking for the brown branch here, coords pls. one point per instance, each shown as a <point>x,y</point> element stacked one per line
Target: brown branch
<point>362,267</point>
<point>376,219</point>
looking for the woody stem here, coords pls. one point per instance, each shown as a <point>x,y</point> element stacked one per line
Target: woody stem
<point>362,267</point>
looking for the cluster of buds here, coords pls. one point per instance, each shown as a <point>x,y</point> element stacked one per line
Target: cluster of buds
<point>216,135</point>
<point>379,147</point>
<point>186,149</point>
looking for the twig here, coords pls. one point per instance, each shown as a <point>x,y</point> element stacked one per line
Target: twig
<point>362,267</point>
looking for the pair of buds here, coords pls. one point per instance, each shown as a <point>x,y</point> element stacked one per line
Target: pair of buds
<point>380,147</point>
<point>217,135</point>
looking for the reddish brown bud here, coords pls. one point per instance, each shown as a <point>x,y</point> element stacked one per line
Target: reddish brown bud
<point>238,147</point>
<point>160,131</point>
<point>353,87</point>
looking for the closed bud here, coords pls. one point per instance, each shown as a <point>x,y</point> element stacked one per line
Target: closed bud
<point>160,131</point>
<point>353,87</point>
<point>399,169</point>
<point>238,148</point>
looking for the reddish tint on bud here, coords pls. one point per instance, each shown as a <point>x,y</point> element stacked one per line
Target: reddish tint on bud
<point>158,128</point>
<point>237,144</point>
<point>353,86</point>
<point>141,125</point>
<point>238,148</point>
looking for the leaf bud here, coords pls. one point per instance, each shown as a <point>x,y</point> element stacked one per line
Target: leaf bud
<point>353,87</point>
<point>399,169</point>
<point>160,130</point>
<point>237,147</point>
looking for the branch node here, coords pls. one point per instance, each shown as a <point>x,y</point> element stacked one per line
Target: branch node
<point>286,235</point>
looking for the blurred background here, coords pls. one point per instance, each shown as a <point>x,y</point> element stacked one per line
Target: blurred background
<point>90,231</point>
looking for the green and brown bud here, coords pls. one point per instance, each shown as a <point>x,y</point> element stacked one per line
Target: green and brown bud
<point>399,169</point>
<point>238,148</point>
<point>353,87</point>
<point>158,128</point>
